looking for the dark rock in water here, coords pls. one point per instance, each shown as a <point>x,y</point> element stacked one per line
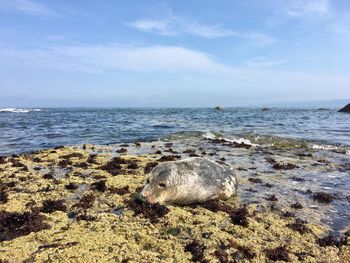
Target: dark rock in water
<point>219,108</point>
<point>345,109</point>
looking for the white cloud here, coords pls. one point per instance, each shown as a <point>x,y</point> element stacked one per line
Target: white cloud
<point>102,58</point>
<point>176,26</point>
<point>28,7</point>
<point>263,62</point>
<point>302,8</point>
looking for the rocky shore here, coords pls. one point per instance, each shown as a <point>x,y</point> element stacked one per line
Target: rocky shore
<point>77,204</point>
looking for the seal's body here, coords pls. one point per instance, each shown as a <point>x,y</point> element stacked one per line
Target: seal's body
<point>189,181</point>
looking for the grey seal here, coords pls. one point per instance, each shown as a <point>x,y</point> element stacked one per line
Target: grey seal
<point>189,181</point>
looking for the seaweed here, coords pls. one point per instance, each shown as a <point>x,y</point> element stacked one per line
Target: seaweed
<point>332,240</point>
<point>297,205</point>
<point>284,166</point>
<point>85,217</point>
<point>65,162</point>
<point>272,198</point>
<point>122,150</point>
<point>189,151</point>
<point>81,165</point>
<point>120,191</point>
<point>99,186</point>
<point>114,165</point>
<point>72,155</point>
<point>14,224</point>
<point>242,251</point>
<point>3,195</point>
<point>240,216</point>
<point>323,197</point>
<point>278,253</point>
<point>196,249</point>
<point>299,226</point>
<point>149,166</point>
<point>288,214</point>
<point>3,160</point>
<point>56,245</point>
<point>86,201</point>
<point>167,158</point>
<point>255,180</point>
<point>50,206</point>
<point>215,206</point>
<point>222,255</point>
<point>92,159</point>
<point>48,176</point>
<point>71,186</point>
<point>268,185</point>
<point>297,179</point>
<point>150,211</point>
<point>133,165</point>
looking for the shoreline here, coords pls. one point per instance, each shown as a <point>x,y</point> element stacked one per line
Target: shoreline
<point>80,205</point>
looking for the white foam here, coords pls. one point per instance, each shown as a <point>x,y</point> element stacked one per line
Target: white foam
<point>212,136</point>
<point>18,110</point>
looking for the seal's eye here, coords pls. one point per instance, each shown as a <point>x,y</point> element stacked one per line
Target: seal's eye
<point>161,185</point>
<point>147,181</point>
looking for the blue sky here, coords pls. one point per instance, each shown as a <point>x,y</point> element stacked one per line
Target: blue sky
<point>173,53</point>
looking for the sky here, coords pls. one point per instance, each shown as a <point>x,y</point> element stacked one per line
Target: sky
<point>162,53</point>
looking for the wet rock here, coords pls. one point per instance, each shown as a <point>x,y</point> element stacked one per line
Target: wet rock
<point>323,197</point>
<point>196,248</point>
<point>153,212</point>
<point>158,152</point>
<point>278,253</point>
<point>345,109</point>
<point>14,224</point>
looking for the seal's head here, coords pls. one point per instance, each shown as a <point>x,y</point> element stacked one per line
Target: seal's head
<point>158,186</point>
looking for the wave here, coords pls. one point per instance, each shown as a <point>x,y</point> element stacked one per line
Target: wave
<point>18,110</point>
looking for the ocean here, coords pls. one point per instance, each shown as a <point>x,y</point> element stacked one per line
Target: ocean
<point>28,129</point>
